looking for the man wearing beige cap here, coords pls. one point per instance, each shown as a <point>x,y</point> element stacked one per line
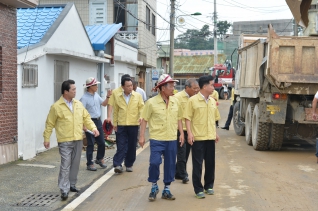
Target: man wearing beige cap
<point>163,114</point>
<point>92,102</point>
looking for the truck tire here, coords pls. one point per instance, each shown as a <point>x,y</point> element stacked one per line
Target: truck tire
<point>221,94</point>
<point>260,131</point>
<point>276,137</point>
<point>248,123</point>
<point>238,125</point>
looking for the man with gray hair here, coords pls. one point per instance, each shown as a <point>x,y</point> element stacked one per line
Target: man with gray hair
<point>191,88</point>
<point>139,90</point>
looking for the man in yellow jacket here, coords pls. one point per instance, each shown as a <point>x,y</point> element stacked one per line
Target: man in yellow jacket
<point>68,116</point>
<point>126,119</point>
<point>191,88</point>
<point>163,113</point>
<point>200,115</point>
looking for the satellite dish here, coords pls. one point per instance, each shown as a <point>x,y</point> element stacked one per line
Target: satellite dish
<point>181,21</point>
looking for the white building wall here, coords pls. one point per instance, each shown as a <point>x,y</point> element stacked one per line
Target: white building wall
<point>34,103</point>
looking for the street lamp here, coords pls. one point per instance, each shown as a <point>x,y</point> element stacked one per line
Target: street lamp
<point>172,25</point>
<point>181,20</point>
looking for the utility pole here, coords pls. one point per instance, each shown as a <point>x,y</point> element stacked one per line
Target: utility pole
<point>215,39</point>
<point>172,23</point>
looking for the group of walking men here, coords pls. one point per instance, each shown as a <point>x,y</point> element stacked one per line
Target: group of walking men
<point>189,116</point>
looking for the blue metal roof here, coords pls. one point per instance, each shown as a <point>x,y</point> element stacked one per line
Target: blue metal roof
<point>33,23</point>
<point>99,35</point>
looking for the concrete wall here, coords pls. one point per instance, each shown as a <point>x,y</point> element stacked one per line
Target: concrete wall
<point>8,84</point>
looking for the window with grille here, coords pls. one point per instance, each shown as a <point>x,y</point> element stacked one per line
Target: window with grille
<point>30,75</point>
<point>97,12</point>
<point>148,18</point>
<point>1,70</point>
<point>153,24</point>
<point>61,73</point>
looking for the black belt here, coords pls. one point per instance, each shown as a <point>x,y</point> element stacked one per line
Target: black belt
<point>96,118</point>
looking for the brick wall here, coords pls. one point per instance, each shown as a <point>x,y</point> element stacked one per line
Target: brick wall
<point>8,75</point>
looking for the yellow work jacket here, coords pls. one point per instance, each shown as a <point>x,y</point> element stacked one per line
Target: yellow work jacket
<point>115,93</point>
<point>127,114</point>
<point>183,98</point>
<point>68,125</point>
<point>162,121</point>
<point>202,116</point>
<point>215,95</point>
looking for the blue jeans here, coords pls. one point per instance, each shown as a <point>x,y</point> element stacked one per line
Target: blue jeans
<point>317,147</point>
<point>169,150</point>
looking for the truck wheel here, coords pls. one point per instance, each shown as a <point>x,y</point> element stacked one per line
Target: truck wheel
<point>221,94</point>
<point>248,123</point>
<point>238,125</point>
<point>260,131</point>
<point>276,137</point>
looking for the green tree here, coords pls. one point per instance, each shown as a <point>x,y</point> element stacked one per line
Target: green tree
<point>195,39</point>
<point>223,27</point>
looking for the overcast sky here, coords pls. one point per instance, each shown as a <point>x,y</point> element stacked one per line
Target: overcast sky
<point>230,10</point>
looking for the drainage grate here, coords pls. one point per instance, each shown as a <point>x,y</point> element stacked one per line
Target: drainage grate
<point>108,159</point>
<point>37,200</point>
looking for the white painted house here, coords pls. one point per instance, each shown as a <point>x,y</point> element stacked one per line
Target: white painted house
<point>53,46</point>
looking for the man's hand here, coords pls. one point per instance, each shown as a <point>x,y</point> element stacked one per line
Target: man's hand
<point>46,145</point>
<point>190,138</point>
<point>141,141</point>
<point>140,120</point>
<point>84,128</point>
<point>181,139</point>
<point>109,93</point>
<point>115,128</point>
<point>108,119</point>
<point>217,139</point>
<point>96,132</point>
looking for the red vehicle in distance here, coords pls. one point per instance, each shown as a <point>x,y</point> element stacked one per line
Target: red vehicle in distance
<point>222,74</point>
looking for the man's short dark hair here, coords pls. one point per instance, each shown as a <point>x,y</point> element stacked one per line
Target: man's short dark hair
<point>189,82</point>
<point>123,80</point>
<point>125,76</point>
<point>66,85</point>
<point>205,80</point>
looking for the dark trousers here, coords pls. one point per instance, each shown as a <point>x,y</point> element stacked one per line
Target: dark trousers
<point>169,150</point>
<point>91,141</point>
<point>203,150</point>
<point>229,117</point>
<point>182,157</point>
<point>126,142</point>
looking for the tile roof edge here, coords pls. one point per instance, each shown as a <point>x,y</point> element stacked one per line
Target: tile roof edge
<point>51,30</point>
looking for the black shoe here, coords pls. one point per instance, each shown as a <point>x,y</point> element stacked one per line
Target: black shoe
<point>64,196</point>
<point>91,168</point>
<point>178,178</point>
<point>226,128</point>
<point>185,180</point>
<point>74,189</point>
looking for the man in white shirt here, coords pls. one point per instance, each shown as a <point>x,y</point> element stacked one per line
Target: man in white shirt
<point>139,90</point>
